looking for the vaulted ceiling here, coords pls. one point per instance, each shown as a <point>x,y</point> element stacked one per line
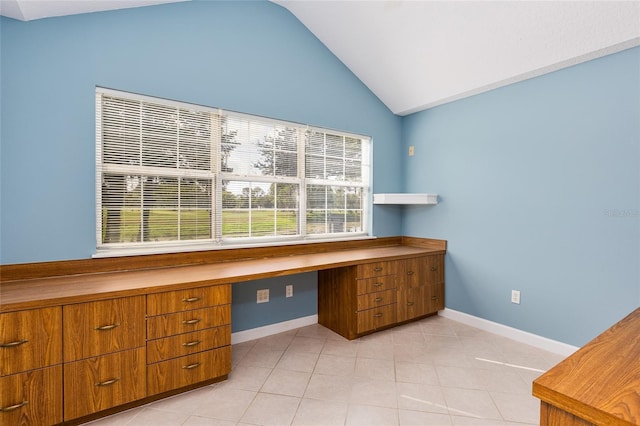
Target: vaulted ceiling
<point>418,54</point>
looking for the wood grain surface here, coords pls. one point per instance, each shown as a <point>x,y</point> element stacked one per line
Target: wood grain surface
<point>600,382</point>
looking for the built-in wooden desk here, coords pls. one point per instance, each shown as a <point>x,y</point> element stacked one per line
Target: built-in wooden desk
<point>599,384</point>
<point>83,339</point>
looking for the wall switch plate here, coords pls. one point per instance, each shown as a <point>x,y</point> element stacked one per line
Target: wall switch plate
<point>515,296</point>
<point>412,151</point>
<point>289,290</point>
<point>263,296</point>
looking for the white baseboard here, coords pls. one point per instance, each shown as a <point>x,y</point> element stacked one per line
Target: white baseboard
<point>268,330</point>
<point>510,332</point>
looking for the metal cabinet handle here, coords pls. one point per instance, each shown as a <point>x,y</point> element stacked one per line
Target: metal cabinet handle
<point>107,327</point>
<point>434,268</point>
<point>434,297</point>
<point>378,284</point>
<point>410,272</point>
<point>13,407</point>
<point>378,315</point>
<point>410,303</point>
<point>191,321</point>
<point>191,366</point>
<point>194,343</point>
<point>378,299</point>
<point>108,382</point>
<point>13,344</point>
<point>378,269</point>
<point>190,299</point>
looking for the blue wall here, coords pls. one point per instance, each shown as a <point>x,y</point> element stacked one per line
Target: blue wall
<point>539,181</point>
<point>539,187</point>
<point>253,57</point>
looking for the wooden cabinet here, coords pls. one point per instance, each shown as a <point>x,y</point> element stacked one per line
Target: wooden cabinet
<point>32,398</point>
<point>356,300</point>
<point>104,354</point>
<point>189,334</point>
<point>103,327</point>
<point>103,382</point>
<point>30,367</point>
<point>420,287</point>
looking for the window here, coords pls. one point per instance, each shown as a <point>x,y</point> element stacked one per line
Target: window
<point>171,173</point>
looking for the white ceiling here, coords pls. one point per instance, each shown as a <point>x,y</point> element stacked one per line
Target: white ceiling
<point>418,54</point>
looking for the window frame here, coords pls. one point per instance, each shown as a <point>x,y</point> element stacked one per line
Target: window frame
<point>217,175</point>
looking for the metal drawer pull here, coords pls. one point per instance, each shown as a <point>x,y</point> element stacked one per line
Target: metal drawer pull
<point>378,299</point>
<point>433,268</point>
<point>194,343</point>
<point>108,382</point>
<point>378,284</point>
<point>434,297</point>
<point>107,327</point>
<point>191,321</point>
<point>13,407</point>
<point>410,303</point>
<point>191,366</point>
<point>378,269</point>
<point>13,344</point>
<point>190,299</point>
<point>409,272</point>
<point>378,315</point>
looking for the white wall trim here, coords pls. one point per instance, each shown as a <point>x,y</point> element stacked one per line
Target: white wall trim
<point>268,330</point>
<point>510,332</point>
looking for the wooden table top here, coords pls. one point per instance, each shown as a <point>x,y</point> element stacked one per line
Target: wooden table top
<point>600,382</point>
<point>42,292</point>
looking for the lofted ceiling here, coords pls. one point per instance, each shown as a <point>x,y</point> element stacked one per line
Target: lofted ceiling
<point>416,54</point>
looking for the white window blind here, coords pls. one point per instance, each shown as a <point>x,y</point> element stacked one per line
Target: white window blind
<point>171,173</point>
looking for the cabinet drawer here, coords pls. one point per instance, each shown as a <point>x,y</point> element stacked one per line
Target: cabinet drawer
<point>376,318</point>
<point>372,300</point>
<point>187,321</point>
<point>376,269</point>
<point>32,398</point>
<point>184,300</point>
<point>30,339</point>
<point>371,285</point>
<point>412,303</point>
<point>97,328</point>
<point>189,343</point>
<point>434,269</point>
<point>187,370</point>
<point>96,384</point>
<point>436,298</point>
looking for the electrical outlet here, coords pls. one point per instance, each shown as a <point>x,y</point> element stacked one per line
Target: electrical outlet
<point>412,151</point>
<point>515,296</point>
<point>263,296</point>
<point>289,290</point>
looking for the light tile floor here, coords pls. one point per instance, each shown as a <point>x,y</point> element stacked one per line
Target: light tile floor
<point>431,372</point>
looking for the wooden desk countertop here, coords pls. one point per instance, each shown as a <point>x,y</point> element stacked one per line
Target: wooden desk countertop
<point>54,291</point>
<point>600,382</point>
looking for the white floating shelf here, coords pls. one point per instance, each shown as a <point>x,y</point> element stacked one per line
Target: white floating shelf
<point>405,198</point>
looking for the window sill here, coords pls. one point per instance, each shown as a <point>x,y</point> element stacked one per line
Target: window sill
<point>167,249</point>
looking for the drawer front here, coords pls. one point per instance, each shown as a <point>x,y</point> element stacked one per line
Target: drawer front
<point>412,303</point>
<point>189,343</point>
<point>184,300</point>
<point>99,383</point>
<point>377,269</point>
<point>373,319</point>
<point>434,269</point>
<point>96,328</point>
<point>30,339</point>
<point>371,285</point>
<point>187,321</point>
<point>435,299</point>
<point>188,370</point>
<point>32,398</point>
<point>372,300</point>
